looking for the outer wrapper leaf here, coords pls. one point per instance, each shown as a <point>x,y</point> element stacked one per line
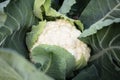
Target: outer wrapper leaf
<point>81,63</point>
<point>32,36</point>
<point>37,10</point>
<point>15,67</point>
<point>55,61</point>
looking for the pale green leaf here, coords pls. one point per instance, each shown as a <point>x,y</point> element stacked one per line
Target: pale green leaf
<point>55,61</point>
<point>2,13</point>
<point>50,13</point>
<point>15,67</point>
<point>66,6</point>
<point>32,36</point>
<point>37,8</point>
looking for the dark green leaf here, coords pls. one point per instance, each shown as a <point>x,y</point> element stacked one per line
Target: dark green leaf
<point>55,4</point>
<point>77,8</point>
<point>105,44</point>
<point>19,19</point>
<point>103,36</point>
<point>3,30</point>
<point>99,11</point>
<point>89,73</point>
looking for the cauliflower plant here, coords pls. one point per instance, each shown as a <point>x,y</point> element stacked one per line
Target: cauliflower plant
<point>62,33</point>
<point>54,45</point>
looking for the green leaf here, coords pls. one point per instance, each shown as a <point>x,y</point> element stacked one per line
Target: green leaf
<point>2,13</point>
<point>105,13</point>
<point>3,17</point>
<point>89,73</point>
<point>103,36</point>
<point>77,8</point>
<point>55,61</point>
<point>105,44</point>
<point>19,19</point>
<point>97,26</point>
<point>32,36</point>
<point>44,9</point>
<point>55,4</point>
<point>49,13</point>
<point>15,67</point>
<point>101,11</point>
<point>66,6</point>
<point>37,10</point>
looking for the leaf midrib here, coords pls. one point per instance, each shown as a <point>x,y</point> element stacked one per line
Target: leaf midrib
<point>110,11</point>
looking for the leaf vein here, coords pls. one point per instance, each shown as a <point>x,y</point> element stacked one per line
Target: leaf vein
<point>102,52</point>
<point>113,39</point>
<point>106,33</point>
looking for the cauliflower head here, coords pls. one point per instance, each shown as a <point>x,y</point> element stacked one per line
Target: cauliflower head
<point>62,33</point>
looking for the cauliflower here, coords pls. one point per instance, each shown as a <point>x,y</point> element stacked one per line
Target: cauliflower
<point>62,33</point>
